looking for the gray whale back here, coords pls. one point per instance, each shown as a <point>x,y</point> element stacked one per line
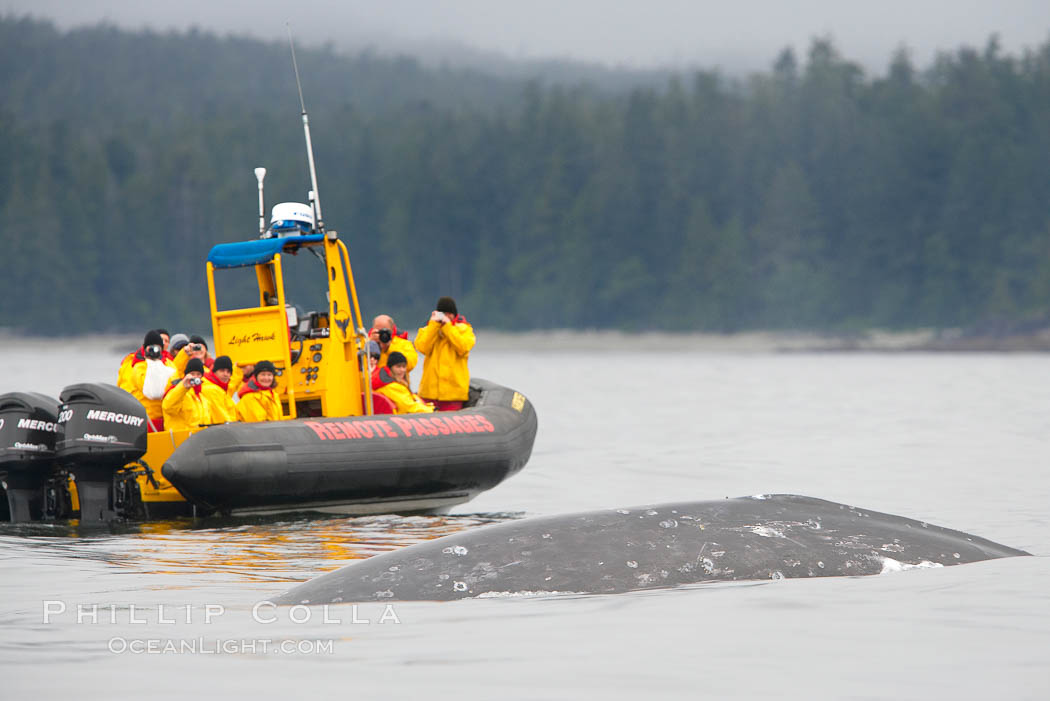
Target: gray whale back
<point>618,550</point>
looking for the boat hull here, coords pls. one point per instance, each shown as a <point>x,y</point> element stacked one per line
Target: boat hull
<point>359,465</point>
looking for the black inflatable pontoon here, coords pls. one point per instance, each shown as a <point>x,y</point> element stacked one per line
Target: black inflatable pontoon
<point>361,464</point>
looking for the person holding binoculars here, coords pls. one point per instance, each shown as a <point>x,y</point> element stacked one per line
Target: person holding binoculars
<point>446,341</point>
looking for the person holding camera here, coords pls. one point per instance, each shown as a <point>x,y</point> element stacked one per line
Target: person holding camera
<point>446,341</point>
<point>196,348</point>
<point>138,355</point>
<point>184,406</point>
<point>258,401</point>
<point>145,376</point>
<point>384,332</point>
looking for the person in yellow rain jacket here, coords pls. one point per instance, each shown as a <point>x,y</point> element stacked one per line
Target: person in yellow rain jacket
<point>196,348</point>
<point>184,406</point>
<point>137,356</point>
<point>258,400</point>
<point>219,387</point>
<point>133,380</point>
<point>392,382</point>
<point>446,341</point>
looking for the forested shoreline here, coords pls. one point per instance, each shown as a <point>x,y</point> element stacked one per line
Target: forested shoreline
<point>812,196</point>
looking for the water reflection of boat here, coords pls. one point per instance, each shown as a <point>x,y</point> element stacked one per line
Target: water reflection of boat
<point>89,453</point>
<point>262,549</point>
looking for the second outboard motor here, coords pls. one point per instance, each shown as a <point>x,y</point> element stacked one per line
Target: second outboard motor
<point>28,429</point>
<point>103,429</point>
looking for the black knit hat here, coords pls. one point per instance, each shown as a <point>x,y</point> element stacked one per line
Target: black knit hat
<point>223,362</point>
<point>195,365</point>
<point>152,339</point>
<point>199,339</point>
<point>447,305</point>
<point>396,358</point>
<point>264,366</point>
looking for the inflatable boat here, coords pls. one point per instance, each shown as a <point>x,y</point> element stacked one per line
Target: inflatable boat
<point>89,455</point>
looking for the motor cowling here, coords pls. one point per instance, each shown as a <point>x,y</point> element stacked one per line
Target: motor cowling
<point>101,424</point>
<point>103,428</point>
<point>29,428</point>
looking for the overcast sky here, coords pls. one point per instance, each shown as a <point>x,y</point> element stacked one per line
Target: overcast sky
<point>740,34</point>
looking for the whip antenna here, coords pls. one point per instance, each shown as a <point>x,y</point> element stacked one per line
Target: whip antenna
<point>316,201</point>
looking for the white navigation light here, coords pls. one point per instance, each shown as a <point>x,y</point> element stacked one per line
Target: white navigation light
<point>292,219</point>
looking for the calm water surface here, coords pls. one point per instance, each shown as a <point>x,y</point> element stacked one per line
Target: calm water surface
<point>957,440</point>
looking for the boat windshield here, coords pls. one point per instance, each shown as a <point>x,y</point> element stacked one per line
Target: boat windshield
<point>305,282</point>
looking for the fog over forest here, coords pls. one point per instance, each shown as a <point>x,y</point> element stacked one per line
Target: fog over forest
<point>736,38</point>
<point>812,194</point>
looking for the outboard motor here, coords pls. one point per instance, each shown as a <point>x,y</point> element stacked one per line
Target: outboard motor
<point>28,429</point>
<point>103,429</point>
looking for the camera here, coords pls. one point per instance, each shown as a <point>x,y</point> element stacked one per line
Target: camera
<point>195,381</point>
<point>196,347</point>
<point>154,352</point>
<point>384,335</point>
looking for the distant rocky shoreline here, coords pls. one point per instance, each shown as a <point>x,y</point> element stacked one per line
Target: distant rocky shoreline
<point>874,341</point>
<point>646,342</point>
